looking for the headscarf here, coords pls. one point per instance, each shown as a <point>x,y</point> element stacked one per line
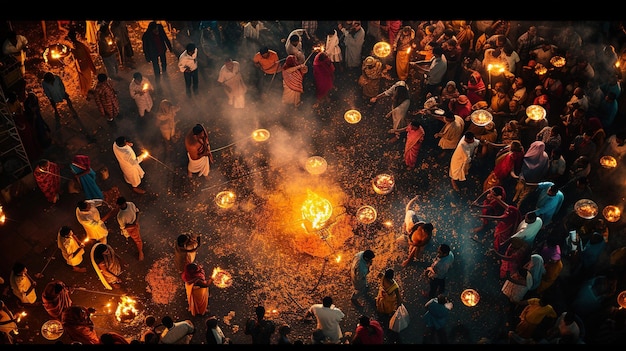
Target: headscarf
<point>193,273</point>
<point>81,161</point>
<point>291,61</point>
<point>535,163</point>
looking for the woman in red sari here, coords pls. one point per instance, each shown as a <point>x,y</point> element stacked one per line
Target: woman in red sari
<point>506,227</point>
<point>476,89</point>
<point>48,178</point>
<point>197,288</point>
<point>324,75</point>
<point>293,76</point>
<point>414,138</point>
<point>509,160</point>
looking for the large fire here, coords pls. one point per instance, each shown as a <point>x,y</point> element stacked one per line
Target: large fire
<point>316,209</point>
<point>221,278</point>
<point>126,310</point>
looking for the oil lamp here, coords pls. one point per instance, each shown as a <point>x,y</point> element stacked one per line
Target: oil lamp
<point>470,297</point>
<point>586,208</point>
<point>611,213</point>
<point>316,165</point>
<point>382,49</point>
<point>221,278</point>
<point>261,135</point>
<point>557,61</point>
<point>481,117</point>
<point>621,299</point>
<point>383,184</point>
<point>225,199</point>
<point>608,162</point>
<point>366,214</point>
<point>536,112</point>
<point>352,116</point>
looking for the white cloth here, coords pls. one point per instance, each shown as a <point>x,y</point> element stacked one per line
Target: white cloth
<point>200,166</point>
<point>328,319</point>
<point>94,226</point>
<point>234,81</point>
<point>20,284</point>
<point>127,216</point>
<point>528,231</point>
<point>143,101</point>
<point>130,164</point>
<point>354,46</point>
<point>462,159</point>
<point>69,245</point>
<point>296,50</point>
<point>180,333</point>
<point>332,48</point>
<point>188,61</point>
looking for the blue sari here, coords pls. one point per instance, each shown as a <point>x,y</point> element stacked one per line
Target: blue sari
<point>87,182</point>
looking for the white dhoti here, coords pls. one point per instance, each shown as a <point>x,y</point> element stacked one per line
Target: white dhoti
<point>200,166</point>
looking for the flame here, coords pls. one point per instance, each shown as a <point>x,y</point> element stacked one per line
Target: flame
<point>366,214</point>
<point>338,258</point>
<point>145,86</point>
<point>621,299</point>
<point>536,112</point>
<point>352,116</point>
<point>470,297</point>
<point>383,183</point>
<point>481,117</point>
<point>225,199</point>
<point>261,134</point>
<point>20,316</point>
<point>3,217</point>
<point>221,278</point>
<point>316,209</point>
<point>612,213</point>
<point>608,162</point>
<point>316,165</point>
<point>382,49</point>
<point>126,309</point>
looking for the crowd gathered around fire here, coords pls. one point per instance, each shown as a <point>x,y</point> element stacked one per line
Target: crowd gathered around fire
<point>541,108</point>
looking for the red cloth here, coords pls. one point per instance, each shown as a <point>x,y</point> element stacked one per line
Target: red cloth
<point>292,78</point>
<point>82,161</point>
<point>362,335</point>
<point>414,139</point>
<point>474,88</point>
<point>324,75</point>
<point>193,273</point>
<point>50,184</point>
<point>506,226</point>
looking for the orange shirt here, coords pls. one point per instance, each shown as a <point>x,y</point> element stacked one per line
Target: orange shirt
<point>269,65</point>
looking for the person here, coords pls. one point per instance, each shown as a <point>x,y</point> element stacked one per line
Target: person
<point>293,44</point>
<point>508,162</point>
<point>400,104</point>
<point>490,206</point>
<point>56,298</point>
<point>462,159</point>
<point>185,250</point>
<point>534,167</point>
<point>333,49</point>
<point>188,64</point>
<point>86,176</point>
<point>88,216</point>
<point>214,334</point>
<point>32,112</point>
<point>515,253</point>
<point>451,132</point>
<point>105,96</point>
<point>119,29</point>
<point>85,66</point>
<point>419,235</point>
<point>535,311</point>
<point>107,264</point>
<point>549,201</point>
<point>130,163</point>
<point>230,78</point>
<point>551,254</point>
<point>197,289</point>
<point>198,151</point>
<point>434,73</point>
<point>260,329</point>
<point>528,229</point>
<point>54,89</point>
<point>436,317</point>
<point>293,77</point>
<point>507,224</point>
<point>372,73</point>
<point>47,175</point>
<point>389,297</point>
<point>403,45</point>
<point>141,91</point>
<point>268,65</point>
<point>328,318</point>
<point>22,284</point>
<point>438,270</point>
<point>8,324</point>
<point>568,326</point>
<point>324,76</point>
<point>108,51</point>
<point>71,248</point>
<point>476,89</point>
<point>449,92</point>
<point>16,45</point>
<point>78,326</point>
<point>166,120</point>
<point>128,219</point>
<point>155,43</point>
<point>368,332</point>
<point>413,144</point>
<point>353,40</point>
<point>359,269</point>
<point>517,285</point>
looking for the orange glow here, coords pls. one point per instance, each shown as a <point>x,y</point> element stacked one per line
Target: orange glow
<point>225,199</point>
<point>481,117</point>
<point>470,297</point>
<point>382,49</point>
<point>352,116</point>
<point>621,299</point>
<point>612,213</point>
<point>383,183</point>
<point>221,278</point>
<point>3,217</point>
<point>126,309</point>
<point>608,162</point>
<point>586,208</point>
<point>557,61</point>
<point>536,112</point>
<point>260,135</point>
<point>316,165</point>
<point>316,209</point>
<point>366,214</point>
<point>145,86</point>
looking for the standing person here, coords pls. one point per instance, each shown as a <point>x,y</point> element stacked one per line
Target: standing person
<point>231,80</point>
<point>214,334</point>
<point>549,201</point>
<point>259,328</point>
<point>368,332</point>
<point>106,98</point>
<point>293,77</point>
<point>372,72</point>
<point>508,221</point>
<point>268,65</point>
<point>324,76</point>
<point>185,250</point>
<point>353,39</point>
<point>16,45</point>
<point>534,167</point>
<point>359,269</point>
<point>22,284</point>
<point>85,66</point>
<point>333,49</point>
<point>400,104</point>
<point>108,51</point>
<point>180,332</point>
<point>438,270</point>
<point>54,89</point>
<point>155,44</point>
<point>462,159</point>
<point>128,219</point>
<point>8,324</point>
<point>198,151</point>
<point>88,216</point>
<point>414,139</point>
<point>119,29</point>
<point>166,120</point>
<point>86,176</point>
<point>436,317</point>
<point>451,132</point>
<point>48,177</point>
<point>419,236</point>
<point>283,335</point>
<point>403,46</point>
<point>534,312</point>
<point>388,298</point>
<point>56,298</point>
<point>188,64</point>
<point>197,289</point>
<point>141,91</point>
<point>293,44</point>
<point>328,317</point>
<point>78,325</point>
<point>32,112</point>
<point>130,163</point>
<point>107,264</point>
<point>434,73</point>
<point>71,248</point>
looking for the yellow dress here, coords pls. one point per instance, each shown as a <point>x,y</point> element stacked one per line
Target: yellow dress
<point>387,300</point>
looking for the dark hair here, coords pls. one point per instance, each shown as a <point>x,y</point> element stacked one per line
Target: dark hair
<point>364,321</point>
<point>182,239</point>
<point>102,77</point>
<point>437,50</point>
<point>167,321</point>
<point>65,231</point>
<point>445,248</point>
<point>137,75</point>
<point>294,38</point>
<point>197,129</point>
<point>211,322</point>
<point>18,267</point>
<point>263,50</point>
<point>260,312</point>
<point>48,77</point>
<point>120,200</point>
<point>190,47</point>
<point>120,141</point>
<point>532,216</point>
<point>389,273</point>
<point>368,254</point>
<point>327,301</point>
<point>82,205</point>
<point>469,135</point>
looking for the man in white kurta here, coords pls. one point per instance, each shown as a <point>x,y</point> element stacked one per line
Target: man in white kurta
<point>462,158</point>
<point>129,163</point>
<point>527,230</point>
<point>71,249</point>
<point>88,216</point>
<point>230,78</point>
<point>140,90</point>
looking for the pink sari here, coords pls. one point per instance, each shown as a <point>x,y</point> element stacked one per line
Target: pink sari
<point>414,139</point>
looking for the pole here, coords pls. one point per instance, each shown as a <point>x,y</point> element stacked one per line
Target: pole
<point>97,292</point>
<point>54,174</point>
<point>40,274</point>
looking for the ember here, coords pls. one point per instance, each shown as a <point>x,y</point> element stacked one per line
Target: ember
<point>316,165</point>
<point>56,53</point>
<point>225,199</point>
<point>382,49</point>
<point>3,217</point>
<point>383,184</point>
<point>221,278</point>
<point>540,69</point>
<point>366,214</point>
<point>126,310</point>
<point>470,297</point>
<point>611,213</point>
<point>608,162</point>
<point>352,116</point>
<point>621,299</point>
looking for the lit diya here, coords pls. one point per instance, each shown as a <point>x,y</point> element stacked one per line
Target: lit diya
<point>126,310</point>
<point>225,199</point>
<point>611,213</point>
<point>55,52</point>
<point>586,208</point>
<point>52,329</point>
<point>481,117</point>
<point>540,69</point>
<point>470,297</point>
<point>382,49</point>
<point>536,112</point>
<point>352,116</point>
<point>316,165</point>
<point>621,299</point>
<point>221,278</point>
<point>557,61</point>
<point>608,162</point>
<point>261,135</point>
<point>3,217</point>
<point>366,214</point>
<point>383,183</point>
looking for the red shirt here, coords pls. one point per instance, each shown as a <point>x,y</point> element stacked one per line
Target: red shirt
<point>363,335</point>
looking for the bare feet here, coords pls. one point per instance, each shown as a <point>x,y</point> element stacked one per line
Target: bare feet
<point>79,269</point>
<point>454,186</point>
<point>139,190</point>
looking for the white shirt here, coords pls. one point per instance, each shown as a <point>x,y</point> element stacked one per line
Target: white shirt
<point>528,231</point>
<point>328,319</point>
<point>188,61</point>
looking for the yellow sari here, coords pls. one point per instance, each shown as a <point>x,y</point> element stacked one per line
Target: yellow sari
<point>387,300</point>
